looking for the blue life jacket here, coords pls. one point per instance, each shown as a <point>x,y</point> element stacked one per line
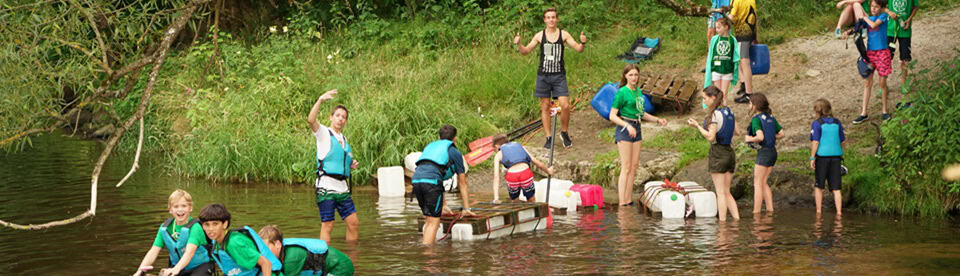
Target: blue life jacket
<point>316,260</point>
<point>437,152</point>
<point>338,160</point>
<point>230,267</point>
<point>725,134</point>
<point>177,247</point>
<point>829,138</point>
<point>513,153</point>
<point>768,124</point>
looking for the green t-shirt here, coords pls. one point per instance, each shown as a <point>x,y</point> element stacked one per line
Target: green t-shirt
<point>243,250</point>
<point>723,55</point>
<point>197,236</point>
<point>336,263</point>
<point>902,8</point>
<point>628,103</point>
<point>756,125</point>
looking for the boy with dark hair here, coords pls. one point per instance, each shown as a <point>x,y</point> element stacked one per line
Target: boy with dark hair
<point>440,161</point>
<point>240,251</point>
<point>334,165</point>
<point>302,256</point>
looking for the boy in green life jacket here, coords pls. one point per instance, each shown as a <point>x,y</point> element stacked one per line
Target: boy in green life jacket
<point>305,257</point>
<point>240,251</point>
<point>183,237</point>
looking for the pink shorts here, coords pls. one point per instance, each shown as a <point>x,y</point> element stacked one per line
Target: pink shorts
<point>881,61</point>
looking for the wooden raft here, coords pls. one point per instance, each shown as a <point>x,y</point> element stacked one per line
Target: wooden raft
<point>669,89</point>
<point>509,212</point>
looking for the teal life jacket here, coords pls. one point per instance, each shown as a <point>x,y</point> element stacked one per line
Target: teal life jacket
<point>829,138</point>
<point>336,163</point>
<point>231,268</point>
<point>316,261</point>
<point>513,153</point>
<point>437,153</point>
<point>178,246</point>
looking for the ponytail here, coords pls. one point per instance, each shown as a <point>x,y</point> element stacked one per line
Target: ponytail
<point>712,91</point>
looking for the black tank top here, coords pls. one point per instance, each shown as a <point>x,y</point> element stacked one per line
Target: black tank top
<point>551,55</point>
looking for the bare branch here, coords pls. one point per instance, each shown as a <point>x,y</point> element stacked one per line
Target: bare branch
<point>27,133</point>
<point>691,9</point>
<point>136,158</point>
<point>48,224</point>
<point>96,30</point>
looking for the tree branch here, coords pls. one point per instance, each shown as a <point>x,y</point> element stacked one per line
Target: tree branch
<point>104,66</point>
<point>48,224</point>
<point>136,158</point>
<point>27,133</point>
<point>96,30</point>
<point>691,9</point>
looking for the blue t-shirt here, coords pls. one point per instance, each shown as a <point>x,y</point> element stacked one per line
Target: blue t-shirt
<point>830,135</point>
<point>427,170</point>
<point>877,37</point>
<point>716,4</point>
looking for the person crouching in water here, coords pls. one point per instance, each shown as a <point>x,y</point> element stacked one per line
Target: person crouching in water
<point>718,129</point>
<point>765,130</point>
<point>302,256</point>
<point>515,158</point>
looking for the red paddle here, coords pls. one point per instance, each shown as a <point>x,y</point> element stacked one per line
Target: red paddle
<point>484,141</point>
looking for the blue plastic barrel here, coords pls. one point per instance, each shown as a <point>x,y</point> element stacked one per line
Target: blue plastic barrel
<point>759,59</point>
<point>603,100</point>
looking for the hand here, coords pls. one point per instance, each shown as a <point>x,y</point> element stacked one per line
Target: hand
<point>328,95</point>
<point>551,171</point>
<point>467,212</point>
<point>354,165</point>
<point>583,38</point>
<point>746,138</point>
<point>169,272</point>
<point>812,164</point>
<point>906,24</point>
<point>632,131</point>
<point>516,39</point>
<point>693,123</point>
<point>662,121</point>
<point>446,210</point>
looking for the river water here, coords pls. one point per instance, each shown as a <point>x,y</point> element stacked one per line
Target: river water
<point>51,181</point>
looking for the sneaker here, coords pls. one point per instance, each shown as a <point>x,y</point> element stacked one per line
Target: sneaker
<point>860,119</point>
<point>743,89</point>
<point>885,116</point>
<point>745,98</point>
<point>548,143</point>
<point>566,139</point>
<point>838,34</point>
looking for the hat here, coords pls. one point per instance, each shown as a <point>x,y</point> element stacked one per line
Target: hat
<point>865,70</point>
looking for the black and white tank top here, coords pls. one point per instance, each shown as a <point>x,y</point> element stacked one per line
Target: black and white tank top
<point>551,55</point>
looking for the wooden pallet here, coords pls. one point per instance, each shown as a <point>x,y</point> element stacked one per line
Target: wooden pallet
<point>494,216</point>
<point>669,90</point>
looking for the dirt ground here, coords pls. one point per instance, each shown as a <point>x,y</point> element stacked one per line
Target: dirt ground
<point>802,70</point>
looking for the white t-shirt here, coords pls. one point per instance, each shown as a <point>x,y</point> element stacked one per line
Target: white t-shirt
<point>717,118</point>
<point>323,147</point>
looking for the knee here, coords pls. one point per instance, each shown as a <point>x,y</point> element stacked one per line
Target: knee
<point>565,105</point>
<point>353,224</point>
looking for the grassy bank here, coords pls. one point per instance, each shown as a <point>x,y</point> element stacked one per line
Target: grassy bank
<point>402,78</point>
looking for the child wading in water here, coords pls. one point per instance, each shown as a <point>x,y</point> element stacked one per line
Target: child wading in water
<point>723,59</point>
<point>826,153</point>
<point>184,239</point>
<point>627,112</point>
<point>514,157</point>
<point>765,130</point>
<point>718,128</point>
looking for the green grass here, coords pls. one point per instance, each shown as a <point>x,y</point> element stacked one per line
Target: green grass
<point>687,141</point>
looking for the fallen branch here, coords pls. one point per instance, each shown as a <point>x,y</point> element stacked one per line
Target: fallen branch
<point>136,158</point>
<point>27,133</point>
<point>48,224</point>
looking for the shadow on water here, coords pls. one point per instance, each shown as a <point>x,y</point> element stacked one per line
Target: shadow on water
<point>51,181</point>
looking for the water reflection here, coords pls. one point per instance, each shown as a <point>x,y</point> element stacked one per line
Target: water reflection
<point>391,210</point>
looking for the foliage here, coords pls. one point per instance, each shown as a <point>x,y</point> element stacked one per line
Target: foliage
<point>919,142</point>
<point>688,141</point>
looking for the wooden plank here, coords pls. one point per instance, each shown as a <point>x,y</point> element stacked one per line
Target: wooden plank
<point>687,92</point>
<point>663,84</point>
<point>674,90</point>
<point>650,86</point>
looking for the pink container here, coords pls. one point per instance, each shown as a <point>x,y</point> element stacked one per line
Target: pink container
<point>590,194</point>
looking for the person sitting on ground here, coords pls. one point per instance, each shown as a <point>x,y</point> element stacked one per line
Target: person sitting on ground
<point>301,256</point>
<point>723,59</point>
<point>441,160</point>
<point>847,14</point>
<point>827,141</point>
<point>240,251</point>
<point>515,158</point>
<point>184,239</point>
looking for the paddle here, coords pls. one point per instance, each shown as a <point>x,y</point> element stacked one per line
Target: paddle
<point>483,153</point>
<point>482,142</point>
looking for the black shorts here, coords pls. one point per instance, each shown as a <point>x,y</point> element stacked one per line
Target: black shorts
<point>721,159</point>
<point>828,169</point>
<point>904,45</point>
<point>551,86</point>
<point>766,157</point>
<point>430,198</point>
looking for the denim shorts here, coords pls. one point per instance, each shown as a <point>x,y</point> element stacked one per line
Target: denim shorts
<point>621,133</point>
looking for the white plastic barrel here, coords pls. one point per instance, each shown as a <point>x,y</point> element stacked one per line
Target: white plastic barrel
<point>410,161</point>
<point>672,204</point>
<point>390,181</point>
<point>704,203</point>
